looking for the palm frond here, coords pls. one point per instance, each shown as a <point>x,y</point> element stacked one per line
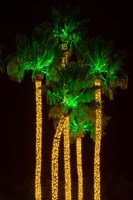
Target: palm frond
<point>14,69</point>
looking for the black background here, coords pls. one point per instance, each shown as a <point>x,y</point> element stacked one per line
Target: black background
<point>110,19</point>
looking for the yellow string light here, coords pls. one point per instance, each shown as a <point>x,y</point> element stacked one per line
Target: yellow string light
<point>38,84</point>
<point>65,55</point>
<point>63,124</point>
<point>67,166</point>
<point>79,167</point>
<point>97,143</point>
<point>55,156</point>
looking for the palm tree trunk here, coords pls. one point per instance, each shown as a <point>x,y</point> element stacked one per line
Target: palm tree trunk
<point>38,94</point>
<point>67,160</point>
<point>55,155</point>
<point>79,167</point>
<point>67,166</point>
<point>97,148</point>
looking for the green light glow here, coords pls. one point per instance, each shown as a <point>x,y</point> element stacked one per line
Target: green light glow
<point>66,34</point>
<point>70,90</point>
<point>31,55</point>
<point>71,95</point>
<point>66,26</point>
<point>70,101</point>
<point>80,123</point>
<point>105,66</point>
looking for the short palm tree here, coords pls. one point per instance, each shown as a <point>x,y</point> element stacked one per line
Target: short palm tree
<point>34,56</point>
<point>81,122</point>
<point>71,85</point>
<point>106,74</point>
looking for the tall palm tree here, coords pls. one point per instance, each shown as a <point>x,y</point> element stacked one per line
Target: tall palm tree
<point>66,31</point>
<point>34,56</point>
<point>106,74</point>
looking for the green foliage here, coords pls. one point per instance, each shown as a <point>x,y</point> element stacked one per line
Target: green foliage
<point>32,55</point>
<point>80,122</point>
<point>70,95</point>
<point>70,89</point>
<point>67,28</point>
<point>17,61</point>
<point>105,65</point>
<point>15,70</point>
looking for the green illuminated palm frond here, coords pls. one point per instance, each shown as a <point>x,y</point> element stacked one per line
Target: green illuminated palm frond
<point>80,122</point>
<point>67,27</point>
<point>41,52</point>
<point>70,89</point>
<point>71,96</point>
<point>105,65</point>
<point>33,55</point>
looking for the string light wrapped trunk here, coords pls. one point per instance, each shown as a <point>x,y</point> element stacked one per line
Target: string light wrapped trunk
<point>97,148</point>
<point>38,94</point>
<point>79,167</point>
<point>55,156</point>
<point>67,164</point>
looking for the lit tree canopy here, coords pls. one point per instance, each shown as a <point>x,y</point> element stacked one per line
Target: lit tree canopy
<point>70,89</point>
<point>81,121</point>
<point>33,55</point>
<point>71,95</point>
<point>67,27</point>
<point>41,53</point>
<point>104,65</point>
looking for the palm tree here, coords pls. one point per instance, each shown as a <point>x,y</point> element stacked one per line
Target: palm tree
<point>67,33</point>
<point>71,85</point>
<point>106,74</point>
<point>81,122</point>
<point>34,56</point>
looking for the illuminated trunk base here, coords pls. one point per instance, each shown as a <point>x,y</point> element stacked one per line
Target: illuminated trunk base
<point>55,156</point>
<point>67,160</point>
<point>79,167</point>
<point>97,144</point>
<point>38,84</point>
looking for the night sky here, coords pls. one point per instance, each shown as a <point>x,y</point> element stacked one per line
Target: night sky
<point>111,20</point>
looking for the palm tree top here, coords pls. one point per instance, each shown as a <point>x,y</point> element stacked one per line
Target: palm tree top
<point>70,89</point>
<point>31,55</point>
<point>101,60</point>
<point>66,26</point>
<point>41,55</point>
<point>70,95</point>
<point>105,64</point>
<point>81,121</point>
